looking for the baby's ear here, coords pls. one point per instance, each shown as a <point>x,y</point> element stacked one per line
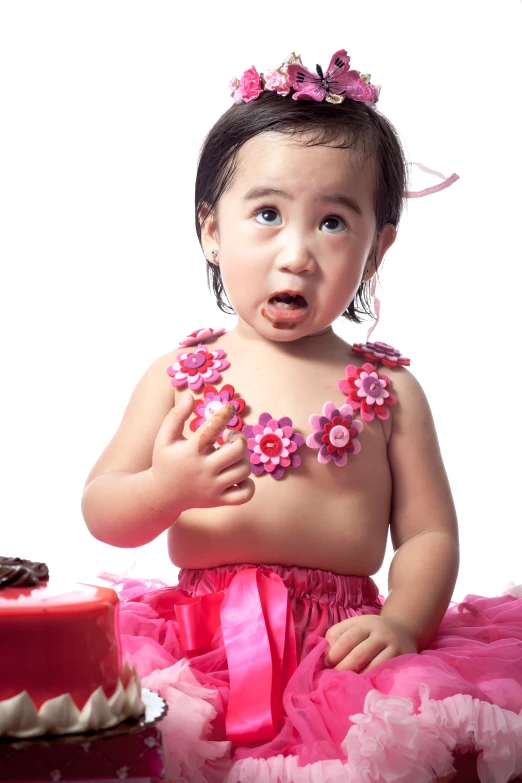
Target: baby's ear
<point>384,241</point>
<point>208,224</point>
<point>206,217</point>
<point>203,213</point>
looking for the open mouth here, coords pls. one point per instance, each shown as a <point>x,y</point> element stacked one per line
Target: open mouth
<point>285,309</point>
<point>288,301</point>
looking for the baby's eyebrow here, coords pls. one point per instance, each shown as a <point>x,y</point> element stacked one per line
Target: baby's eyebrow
<point>336,198</point>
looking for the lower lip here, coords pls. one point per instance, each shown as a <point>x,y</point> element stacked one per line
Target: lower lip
<point>282,317</point>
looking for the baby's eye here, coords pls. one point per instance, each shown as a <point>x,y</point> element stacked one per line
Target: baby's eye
<point>266,211</point>
<point>334,220</point>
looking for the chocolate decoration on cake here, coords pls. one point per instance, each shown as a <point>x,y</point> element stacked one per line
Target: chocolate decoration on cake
<point>15,572</point>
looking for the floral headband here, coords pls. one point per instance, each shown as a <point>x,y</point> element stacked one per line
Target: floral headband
<point>338,83</point>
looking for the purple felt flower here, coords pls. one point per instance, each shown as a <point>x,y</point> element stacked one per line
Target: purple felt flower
<point>381,352</point>
<point>272,444</point>
<point>336,434</point>
<point>198,367</point>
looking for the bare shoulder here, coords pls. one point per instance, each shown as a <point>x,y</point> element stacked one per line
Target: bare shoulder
<point>131,447</point>
<point>422,498</point>
<point>411,417</point>
<point>412,404</point>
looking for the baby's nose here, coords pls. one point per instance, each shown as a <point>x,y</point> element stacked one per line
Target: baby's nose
<point>296,258</point>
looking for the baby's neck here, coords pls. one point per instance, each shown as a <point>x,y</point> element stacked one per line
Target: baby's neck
<point>245,337</point>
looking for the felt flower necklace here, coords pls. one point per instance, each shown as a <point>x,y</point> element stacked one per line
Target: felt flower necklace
<point>272,443</point>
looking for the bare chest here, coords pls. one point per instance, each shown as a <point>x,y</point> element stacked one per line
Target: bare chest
<point>296,388</point>
<point>317,514</point>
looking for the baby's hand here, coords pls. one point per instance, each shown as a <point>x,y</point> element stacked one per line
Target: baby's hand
<point>192,473</point>
<point>360,643</point>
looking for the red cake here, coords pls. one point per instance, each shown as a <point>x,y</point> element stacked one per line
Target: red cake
<point>60,660</point>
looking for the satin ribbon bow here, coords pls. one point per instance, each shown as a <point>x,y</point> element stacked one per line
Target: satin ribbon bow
<point>259,637</point>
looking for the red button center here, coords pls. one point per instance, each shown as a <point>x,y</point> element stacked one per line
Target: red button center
<point>270,445</point>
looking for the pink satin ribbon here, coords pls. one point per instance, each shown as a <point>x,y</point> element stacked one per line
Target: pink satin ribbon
<point>376,306</point>
<point>446,182</point>
<point>198,620</point>
<point>259,637</point>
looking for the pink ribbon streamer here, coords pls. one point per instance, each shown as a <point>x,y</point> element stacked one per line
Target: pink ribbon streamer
<point>447,181</point>
<point>259,637</point>
<point>376,306</point>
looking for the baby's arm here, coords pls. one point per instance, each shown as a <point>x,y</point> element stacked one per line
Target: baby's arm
<point>423,522</point>
<point>149,473</point>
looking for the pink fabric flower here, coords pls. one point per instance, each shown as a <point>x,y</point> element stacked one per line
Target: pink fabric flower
<point>376,92</point>
<point>336,434</point>
<point>235,91</point>
<point>277,82</point>
<point>212,402</point>
<point>272,445</point>
<point>367,390</point>
<point>381,352</point>
<point>197,368</point>
<point>200,336</point>
<point>248,88</point>
<point>334,84</point>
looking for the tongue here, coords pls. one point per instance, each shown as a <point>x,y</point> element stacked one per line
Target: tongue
<point>292,305</point>
<point>288,303</point>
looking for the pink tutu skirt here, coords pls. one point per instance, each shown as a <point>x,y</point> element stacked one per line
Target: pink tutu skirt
<point>238,654</point>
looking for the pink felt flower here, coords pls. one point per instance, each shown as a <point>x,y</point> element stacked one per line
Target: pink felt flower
<point>277,82</point>
<point>200,336</point>
<point>381,352</point>
<point>212,402</point>
<point>336,434</point>
<point>367,390</point>
<point>272,444</point>
<point>197,368</point>
<point>248,88</point>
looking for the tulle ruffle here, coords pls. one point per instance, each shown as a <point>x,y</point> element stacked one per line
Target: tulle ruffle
<point>187,727</point>
<point>389,743</point>
<point>402,722</point>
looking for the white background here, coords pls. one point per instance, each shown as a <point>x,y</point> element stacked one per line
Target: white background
<point>103,109</point>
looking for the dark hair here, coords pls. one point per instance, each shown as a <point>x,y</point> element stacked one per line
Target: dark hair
<point>342,125</point>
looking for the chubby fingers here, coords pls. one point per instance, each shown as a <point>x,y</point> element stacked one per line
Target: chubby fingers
<point>361,655</point>
<point>234,468</point>
<point>238,468</point>
<point>233,450</point>
<point>384,655</point>
<point>239,493</point>
<point>209,432</point>
<point>352,644</point>
<point>343,643</point>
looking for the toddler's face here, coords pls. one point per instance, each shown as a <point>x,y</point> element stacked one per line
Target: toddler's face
<point>291,264</point>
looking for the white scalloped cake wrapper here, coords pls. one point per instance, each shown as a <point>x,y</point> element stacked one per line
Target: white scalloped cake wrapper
<point>60,715</point>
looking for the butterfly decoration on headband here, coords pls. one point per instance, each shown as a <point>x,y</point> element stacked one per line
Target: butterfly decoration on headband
<point>338,83</point>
